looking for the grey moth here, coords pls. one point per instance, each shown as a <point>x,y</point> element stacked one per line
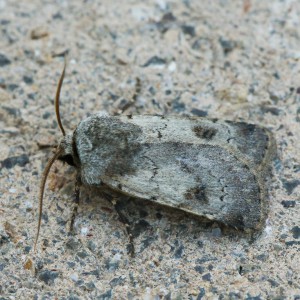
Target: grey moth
<point>206,167</point>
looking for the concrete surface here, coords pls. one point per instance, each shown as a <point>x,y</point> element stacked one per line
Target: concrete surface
<point>236,60</point>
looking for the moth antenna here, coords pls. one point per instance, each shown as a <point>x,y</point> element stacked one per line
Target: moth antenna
<point>57,98</point>
<point>42,188</point>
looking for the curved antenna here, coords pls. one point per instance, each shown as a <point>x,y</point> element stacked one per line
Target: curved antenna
<point>42,188</point>
<point>57,98</point>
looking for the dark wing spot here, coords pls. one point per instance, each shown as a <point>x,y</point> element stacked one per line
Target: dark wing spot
<point>205,132</point>
<point>196,193</point>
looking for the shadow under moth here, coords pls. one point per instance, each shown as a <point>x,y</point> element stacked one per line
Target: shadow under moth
<point>206,167</point>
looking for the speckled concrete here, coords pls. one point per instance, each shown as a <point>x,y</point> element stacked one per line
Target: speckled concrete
<point>236,60</point>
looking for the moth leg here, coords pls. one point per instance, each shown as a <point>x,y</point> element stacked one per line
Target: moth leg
<point>132,101</point>
<point>123,219</point>
<point>76,201</point>
<point>138,88</point>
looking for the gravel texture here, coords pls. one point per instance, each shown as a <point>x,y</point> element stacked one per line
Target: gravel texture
<point>235,60</point>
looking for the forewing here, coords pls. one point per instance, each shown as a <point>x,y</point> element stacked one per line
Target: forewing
<point>207,167</point>
<point>202,179</point>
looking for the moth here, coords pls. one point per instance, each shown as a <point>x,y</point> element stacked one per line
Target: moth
<point>206,167</point>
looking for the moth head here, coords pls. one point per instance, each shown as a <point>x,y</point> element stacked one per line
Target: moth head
<point>63,152</point>
<point>69,153</point>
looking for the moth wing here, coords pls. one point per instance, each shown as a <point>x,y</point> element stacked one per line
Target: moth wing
<point>196,165</point>
<point>204,178</point>
<point>252,143</point>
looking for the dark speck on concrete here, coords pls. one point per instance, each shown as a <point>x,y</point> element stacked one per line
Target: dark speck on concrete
<point>95,272</point>
<point>73,297</point>
<point>262,257</point>
<point>273,283</point>
<point>111,265</point>
<point>73,244</point>
<point>152,90</point>
<point>45,219</point>
<point>234,296</point>
<point>168,17</point>
<point>166,22</point>
<point>91,246</point>
<point>288,203</point>
<point>178,106</point>
<point>61,221</point>
<point>272,110</point>
<point>32,96</point>
<point>296,167</point>
<point>48,276</point>
<point>292,243</point>
<point>147,242</point>
<point>199,42</point>
<point>200,244</point>
<point>82,254</point>
<point>179,252</point>
<point>227,45</point>
<point>199,269</point>
<point>116,281</point>
<point>12,86</point>
<point>155,61</point>
<point>12,161</point>
<point>71,264</point>
<point>206,277</point>
<point>90,286</point>
<point>276,75</point>
<point>27,249</point>
<point>46,115</point>
<point>252,297</point>
<point>28,79</point>
<point>80,282</point>
<point>205,259</point>
<point>57,16</point>
<point>4,60</point>
<point>188,30</point>
<point>168,296</point>
<point>198,112</point>
<point>201,294</point>
<point>290,185</point>
<point>4,237</point>
<point>12,111</point>
<point>106,296</point>
<point>4,22</point>
<point>296,232</point>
